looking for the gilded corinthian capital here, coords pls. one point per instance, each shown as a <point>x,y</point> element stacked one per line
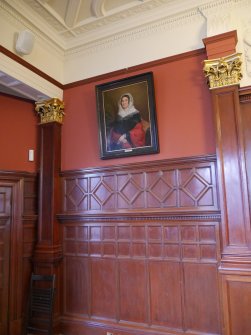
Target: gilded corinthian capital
<point>223,71</point>
<point>51,110</point>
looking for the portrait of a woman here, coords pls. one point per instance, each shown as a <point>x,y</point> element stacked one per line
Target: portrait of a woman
<point>128,130</point>
<point>127,118</point>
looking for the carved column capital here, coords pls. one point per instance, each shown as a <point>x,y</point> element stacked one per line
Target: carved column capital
<point>51,110</point>
<point>224,71</point>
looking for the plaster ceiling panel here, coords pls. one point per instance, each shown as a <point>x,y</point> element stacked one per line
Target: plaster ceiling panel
<point>64,20</point>
<point>85,11</point>
<point>113,4</point>
<point>59,6</point>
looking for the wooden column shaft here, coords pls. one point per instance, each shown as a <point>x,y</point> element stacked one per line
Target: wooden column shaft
<point>48,250</point>
<point>232,172</point>
<point>49,182</point>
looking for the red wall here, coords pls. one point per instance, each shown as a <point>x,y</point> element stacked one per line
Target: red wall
<point>184,120</point>
<point>184,116</point>
<point>18,134</point>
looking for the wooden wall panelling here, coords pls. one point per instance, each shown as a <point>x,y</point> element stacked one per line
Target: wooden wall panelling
<point>30,220</point>
<point>141,248</point>
<point>236,290</point>
<point>245,109</point>
<point>232,172</point>
<point>155,275</point>
<point>232,123</point>
<point>5,222</point>
<point>22,185</point>
<point>236,275</point>
<point>15,264</point>
<point>184,185</point>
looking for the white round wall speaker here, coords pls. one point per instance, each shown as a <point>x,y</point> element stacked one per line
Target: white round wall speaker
<point>25,42</point>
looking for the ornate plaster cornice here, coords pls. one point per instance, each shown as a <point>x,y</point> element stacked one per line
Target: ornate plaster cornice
<point>161,24</point>
<point>221,15</point>
<point>155,16</point>
<point>247,49</point>
<point>167,24</point>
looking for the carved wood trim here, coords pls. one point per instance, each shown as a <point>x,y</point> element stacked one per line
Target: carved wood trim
<point>245,98</point>
<point>221,45</point>
<point>139,217</point>
<point>221,37</point>
<point>245,94</point>
<point>3,219</point>
<point>134,166</point>
<point>167,186</point>
<point>13,175</point>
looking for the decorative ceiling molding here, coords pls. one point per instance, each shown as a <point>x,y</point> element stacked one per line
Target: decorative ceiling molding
<point>43,17</point>
<point>247,49</point>
<point>74,33</point>
<point>45,12</point>
<point>97,8</point>
<point>166,24</point>
<point>220,16</point>
<point>72,12</point>
<point>70,32</point>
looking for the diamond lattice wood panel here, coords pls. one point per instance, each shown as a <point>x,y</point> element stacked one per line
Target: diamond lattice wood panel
<point>169,186</point>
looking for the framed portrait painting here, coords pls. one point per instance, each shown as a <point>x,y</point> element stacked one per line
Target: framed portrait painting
<point>127,117</point>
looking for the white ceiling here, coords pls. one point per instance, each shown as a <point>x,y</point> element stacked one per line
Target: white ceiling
<point>71,24</point>
<point>73,20</point>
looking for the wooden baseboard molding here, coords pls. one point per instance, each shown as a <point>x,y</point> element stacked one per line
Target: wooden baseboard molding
<point>76,326</point>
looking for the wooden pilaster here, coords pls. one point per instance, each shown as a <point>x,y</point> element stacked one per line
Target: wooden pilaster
<point>235,265</point>
<point>48,250</point>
